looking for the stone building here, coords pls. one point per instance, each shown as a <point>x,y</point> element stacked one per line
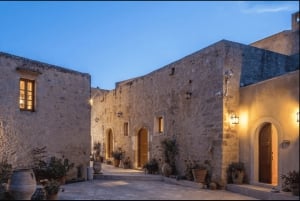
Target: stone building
<point>43,105</point>
<point>194,99</point>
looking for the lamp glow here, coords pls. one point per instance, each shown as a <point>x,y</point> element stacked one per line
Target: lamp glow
<point>235,119</point>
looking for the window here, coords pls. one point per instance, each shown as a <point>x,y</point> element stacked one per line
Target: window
<point>126,129</point>
<point>160,124</point>
<point>26,100</point>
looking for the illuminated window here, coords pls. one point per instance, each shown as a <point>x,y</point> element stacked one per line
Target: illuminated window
<point>126,129</point>
<point>26,99</point>
<point>160,124</point>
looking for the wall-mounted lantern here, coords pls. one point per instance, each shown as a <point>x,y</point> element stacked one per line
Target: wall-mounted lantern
<point>119,114</point>
<point>234,119</point>
<point>188,95</point>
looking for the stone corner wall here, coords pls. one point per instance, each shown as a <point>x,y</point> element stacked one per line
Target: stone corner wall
<point>61,120</point>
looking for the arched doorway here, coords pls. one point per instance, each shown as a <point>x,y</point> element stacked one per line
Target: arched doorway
<point>142,149</point>
<point>268,154</point>
<point>109,144</point>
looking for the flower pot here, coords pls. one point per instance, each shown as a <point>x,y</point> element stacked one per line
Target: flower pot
<point>62,180</point>
<point>199,175</point>
<point>295,189</point>
<point>52,196</point>
<point>97,167</point>
<point>237,177</point>
<point>2,192</point>
<point>116,162</point>
<point>166,169</point>
<point>22,184</point>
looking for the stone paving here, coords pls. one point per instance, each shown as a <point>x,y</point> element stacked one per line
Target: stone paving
<point>105,189</point>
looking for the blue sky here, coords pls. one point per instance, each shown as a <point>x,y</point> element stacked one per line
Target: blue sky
<point>120,40</point>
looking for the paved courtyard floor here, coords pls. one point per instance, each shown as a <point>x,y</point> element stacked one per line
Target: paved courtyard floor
<point>141,190</point>
<point>105,189</point>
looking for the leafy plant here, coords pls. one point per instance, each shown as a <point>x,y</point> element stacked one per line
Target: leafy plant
<point>97,150</point>
<point>233,168</point>
<point>39,164</point>
<point>292,177</point>
<point>51,186</point>
<point>58,167</point>
<point>151,166</point>
<point>5,171</point>
<point>170,151</point>
<point>117,155</point>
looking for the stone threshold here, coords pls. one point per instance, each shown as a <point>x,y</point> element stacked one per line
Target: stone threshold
<point>260,192</point>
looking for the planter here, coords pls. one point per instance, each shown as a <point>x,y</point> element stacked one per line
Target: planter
<point>2,192</point>
<point>237,177</point>
<point>22,184</point>
<point>295,189</point>
<point>52,196</point>
<point>62,180</point>
<point>97,167</point>
<point>166,169</point>
<point>116,162</point>
<point>39,194</point>
<point>199,175</point>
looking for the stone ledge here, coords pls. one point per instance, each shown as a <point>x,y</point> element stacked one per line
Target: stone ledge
<point>260,192</point>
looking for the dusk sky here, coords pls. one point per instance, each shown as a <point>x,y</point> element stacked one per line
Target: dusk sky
<point>115,41</point>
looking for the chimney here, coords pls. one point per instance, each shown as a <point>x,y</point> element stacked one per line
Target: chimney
<point>295,21</point>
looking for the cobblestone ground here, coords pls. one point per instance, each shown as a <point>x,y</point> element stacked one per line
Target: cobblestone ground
<point>141,190</point>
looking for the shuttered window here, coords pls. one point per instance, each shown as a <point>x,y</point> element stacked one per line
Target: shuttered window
<point>26,99</point>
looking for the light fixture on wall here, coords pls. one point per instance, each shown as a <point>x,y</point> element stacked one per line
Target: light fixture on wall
<point>188,95</point>
<point>234,119</point>
<point>298,117</point>
<point>119,114</point>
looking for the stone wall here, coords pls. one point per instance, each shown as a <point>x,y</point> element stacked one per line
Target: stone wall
<point>274,101</point>
<point>61,120</point>
<point>199,121</point>
<point>285,42</point>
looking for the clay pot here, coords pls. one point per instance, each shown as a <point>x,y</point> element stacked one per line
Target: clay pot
<point>22,184</point>
<point>166,169</point>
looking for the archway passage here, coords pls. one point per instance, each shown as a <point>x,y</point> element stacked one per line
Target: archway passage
<point>109,144</point>
<point>268,154</point>
<point>142,147</point>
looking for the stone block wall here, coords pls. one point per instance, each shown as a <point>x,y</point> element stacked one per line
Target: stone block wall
<point>61,120</point>
<point>195,101</point>
<point>285,42</point>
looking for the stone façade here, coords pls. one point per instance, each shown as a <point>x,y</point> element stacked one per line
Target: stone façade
<point>60,121</point>
<point>196,102</point>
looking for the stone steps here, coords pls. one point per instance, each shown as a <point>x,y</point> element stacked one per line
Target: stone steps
<point>259,192</point>
<point>129,177</point>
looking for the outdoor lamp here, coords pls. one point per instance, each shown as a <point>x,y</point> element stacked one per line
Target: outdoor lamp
<point>234,119</point>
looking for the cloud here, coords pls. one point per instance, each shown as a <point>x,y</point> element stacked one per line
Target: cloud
<point>266,7</point>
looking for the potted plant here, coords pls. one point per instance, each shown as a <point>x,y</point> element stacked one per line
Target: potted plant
<point>235,172</point>
<point>57,168</point>
<point>127,163</point>
<point>117,155</point>
<point>290,182</point>
<point>195,171</point>
<point>39,163</point>
<point>51,187</point>
<point>5,174</point>
<point>151,167</point>
<point>199,172</point>
<point>96,157</point>
<point>170,150</point>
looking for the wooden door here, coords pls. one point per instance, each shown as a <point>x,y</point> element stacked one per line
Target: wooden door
<point>142,147</point>
<point>109,143</point>
<point>265,154</point>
